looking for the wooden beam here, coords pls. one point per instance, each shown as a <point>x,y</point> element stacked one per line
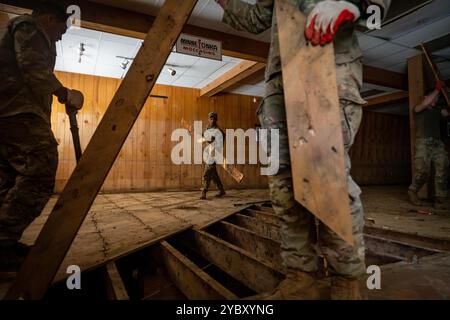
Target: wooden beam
<point>4,18</point>
<point>385,78</point>
<point>116,289</point>
<point>389,98</point>
<point>262,228</point>
<point>316,143</point>
<point>256,274</point>
<point>416,96</point>
<point>190,279</point>
<point>123,22</point>
<point>242,71</point>
<point>436,73</point>
<point>264,248</point>
<point>264,216</point>
<point>81,190</point>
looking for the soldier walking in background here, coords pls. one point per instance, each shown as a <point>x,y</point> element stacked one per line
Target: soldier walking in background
<point>210,173</point>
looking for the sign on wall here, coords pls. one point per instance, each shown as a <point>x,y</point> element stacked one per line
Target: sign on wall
<point>199,47</point>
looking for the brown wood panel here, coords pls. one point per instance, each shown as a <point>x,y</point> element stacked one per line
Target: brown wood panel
<point>144,162</point>
<point>381,152</point>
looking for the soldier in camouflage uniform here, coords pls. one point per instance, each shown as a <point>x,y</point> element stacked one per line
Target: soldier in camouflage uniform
<point>345,263</point>
<point>210,172</point>
<point>430,150</point>
<point>28,149</point>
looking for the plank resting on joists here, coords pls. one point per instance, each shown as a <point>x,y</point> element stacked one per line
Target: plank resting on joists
<point>388,98</point>
<point>243,70</point>
<point>83,186</point>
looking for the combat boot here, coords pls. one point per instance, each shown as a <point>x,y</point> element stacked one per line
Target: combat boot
<point>298,285</point>
<point>203,196</point>
<point>414,198</point>
<point>220,194</point>
<point>441,203</point>
<point>346,289</point>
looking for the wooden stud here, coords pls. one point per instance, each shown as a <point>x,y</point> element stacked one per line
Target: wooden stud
<point>258,275</point>
<point>262,228</point>
<point>389,98</point>
<point>264,216</point>
<point>190,279</point>
<point>77,197</point>
<point>264,248</point>
<point>116,289</point>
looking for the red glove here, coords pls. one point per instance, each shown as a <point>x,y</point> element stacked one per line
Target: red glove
<point>439,85</point>
<point>325,19</point>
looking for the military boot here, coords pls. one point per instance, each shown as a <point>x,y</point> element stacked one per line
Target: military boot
<point>203,196</point>
<point>414,198</point>
<point>298,285</point>
<point>441,203</point>
<point>346,289</point>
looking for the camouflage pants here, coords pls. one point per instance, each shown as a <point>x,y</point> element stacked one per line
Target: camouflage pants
<point>209,174</point>
<point>431,151</point>
<point>28,162</point>
<point>298,224</point>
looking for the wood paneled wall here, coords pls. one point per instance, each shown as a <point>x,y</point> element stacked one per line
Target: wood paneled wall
<point>381,153</point>
<point>144,162</point>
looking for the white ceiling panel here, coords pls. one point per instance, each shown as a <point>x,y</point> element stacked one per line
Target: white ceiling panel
<point>203,68</point>
<point>427,33</point>
<point>382,51</point>
<point>187,81</point>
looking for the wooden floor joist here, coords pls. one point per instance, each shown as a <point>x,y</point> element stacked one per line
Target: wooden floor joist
<point>116,289</point>
<point>262,247</point>
<point>262,228</point>
<point>264,216</point>
<point>190,279</point>
<point>258,275</point>
<point>83,186</point>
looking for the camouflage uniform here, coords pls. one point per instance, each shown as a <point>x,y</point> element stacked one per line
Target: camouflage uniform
<point>28,149</point>
<point>430,150</point>
<point>210,172</point>
<point>297,223</point>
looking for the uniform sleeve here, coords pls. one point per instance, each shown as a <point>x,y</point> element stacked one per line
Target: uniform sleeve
<point>33,57</point>
<point>253,18</point>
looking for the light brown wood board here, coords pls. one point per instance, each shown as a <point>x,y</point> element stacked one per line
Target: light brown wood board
<point>314,123</point>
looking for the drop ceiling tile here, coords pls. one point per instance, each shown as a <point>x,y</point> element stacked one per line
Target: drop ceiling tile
<point>443,53</point>
<point>86,67</point>
<point>227,67</point>
<point>395,59</point>
<point>85,33</point>
<point>59,65</point>
<point>109,52</point>
<point>71,44</point>
<point>181,60</point>
<point>367,42</point>
<point>109,71</point>
<point>203,68</point>
<point>427,33</point>
<point>382,51</point>
<point>203,83</point>
<point>187,81</point>
<point>120,39</point>
<point>164,79</point>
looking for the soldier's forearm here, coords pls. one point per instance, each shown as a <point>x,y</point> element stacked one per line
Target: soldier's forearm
<point>253,18</point>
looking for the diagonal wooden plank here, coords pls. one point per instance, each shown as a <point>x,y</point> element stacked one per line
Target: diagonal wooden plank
<point>436,72</point>
<point>230,78</point>
<point>314,123</point>
<point>76,199</point>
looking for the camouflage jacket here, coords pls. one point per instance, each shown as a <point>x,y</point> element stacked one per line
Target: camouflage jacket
<point>27,79</point>
<point>258,17</point>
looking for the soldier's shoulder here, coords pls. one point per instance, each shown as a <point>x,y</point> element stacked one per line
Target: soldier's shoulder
<point>26,21</point>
